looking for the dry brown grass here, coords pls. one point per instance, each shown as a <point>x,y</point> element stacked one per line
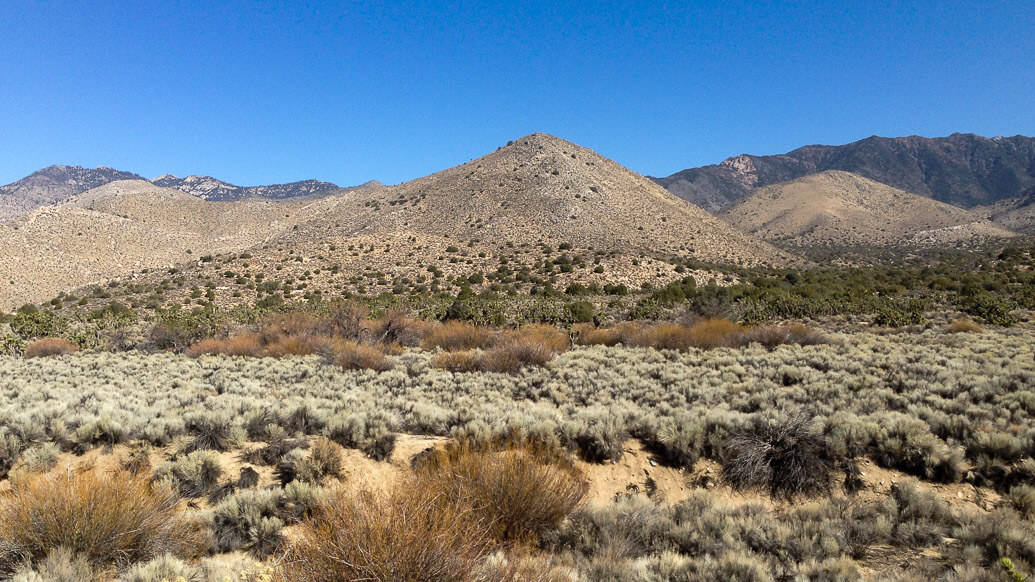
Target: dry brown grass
<point>107,517</point>
<point>964,325</point>
<point>463,361</point>
<point>50,346</point>
<point>519,491</point>
<point>353,356</point>
<point>407,534</point>
<point>702,334</point>
<point>456,335</point>
<point>774,335</point>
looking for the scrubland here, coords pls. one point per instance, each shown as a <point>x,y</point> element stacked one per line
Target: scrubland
<point>885,456</point>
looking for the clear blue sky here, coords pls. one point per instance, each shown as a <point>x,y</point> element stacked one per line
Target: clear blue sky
<point>257,93</point>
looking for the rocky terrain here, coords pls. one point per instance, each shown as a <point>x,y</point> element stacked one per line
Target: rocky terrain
<point>836,208</point>
<point>1014,213</point>
<point>209,188</point>
<point>963,169</point>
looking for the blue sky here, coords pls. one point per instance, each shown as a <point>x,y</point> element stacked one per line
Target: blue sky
<point>257,92</point>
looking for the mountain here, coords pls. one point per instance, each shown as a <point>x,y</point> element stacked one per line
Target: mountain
<point>209,188</point>
<point>52,185</point>
<point>122,227</point>
<point>963,169</point>
<point>543,188</point>
<point>837,209</point>
<point>1016,213</point>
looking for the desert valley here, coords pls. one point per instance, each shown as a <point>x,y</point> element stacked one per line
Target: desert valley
<point>537,365</point>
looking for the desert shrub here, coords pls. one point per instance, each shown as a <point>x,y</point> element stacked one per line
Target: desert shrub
<point>580,311</point>
<point>993,536</point>
<point>396,327</point>
<point>324,460</point>
<point>194,475</point>
<point>40,458</point>
<point>921,517</point>
<point>38,324</point>
<point>408,533</point>
<point>964,325</point>
<point>457,335</point>
<point>368,432</point>
<point>598,435</point>
<point>112,517</point>
<point>164,568</point>
<point>352,356</point>
<point>519,491</point>
<point>346,321</point>
<point>1022,498</point>
<point>532,345</point>
<point>787,458</point>
<point>248,520</point>
<point>50,346</point>
<point>60,565</point>
<point>241,345</point>
<point>215,431</point>
<point>296,345</point>
<point>906,443</point>
<point>628,333</point>
<point>773,335</point>
<point>299,500</point>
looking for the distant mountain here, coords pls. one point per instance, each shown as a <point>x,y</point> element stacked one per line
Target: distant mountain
<point>965,170</point>
<point>52,185</point>
<point>214,190</point>
<point>59,183</point>
<point>835,209</point>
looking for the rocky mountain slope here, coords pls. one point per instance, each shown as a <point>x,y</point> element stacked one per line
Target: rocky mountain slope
<point>209,188</point>
<point>52,185</point>
<point>963,169</point>
<point>1017,214</point>
<point>835,208</point>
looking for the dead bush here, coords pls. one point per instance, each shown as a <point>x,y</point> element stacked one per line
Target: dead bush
<point>457,335</point>
<point>771,336</point>
<point>397,327</point>
<point>408,533</point>
<point>50,346</point>
<point>788,458</point>
<point>107,517</point>
<point>346,321</point>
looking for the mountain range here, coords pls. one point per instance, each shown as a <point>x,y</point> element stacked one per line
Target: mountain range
<point>55,184</point>
<point>964,170</point>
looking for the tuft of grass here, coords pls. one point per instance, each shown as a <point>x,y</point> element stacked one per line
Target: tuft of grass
<point>50,346</point>
<point>408,533</point>
<point>352,356</point>
<point>788,459</point>
<point>520,491</point>
<point>108,518</point>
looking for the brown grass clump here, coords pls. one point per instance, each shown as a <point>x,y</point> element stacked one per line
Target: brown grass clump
<point>288,324</point>
<point>50,346</point>
<point>352,356</point>
<point>628,333</point>
<point>346,321</point>
<point>463,361</point>
<point>296,345</point>
<point>964,325</point>
<point>456,335</point>
<point>771,336</point>
<point>115,517</point>
<point>519,491</point>
<point>407,534</point>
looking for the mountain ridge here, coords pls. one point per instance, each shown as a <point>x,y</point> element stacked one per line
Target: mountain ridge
<point>962,169</point>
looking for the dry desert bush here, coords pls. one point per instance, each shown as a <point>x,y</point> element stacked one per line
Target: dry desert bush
<point>964,325</point>
<point>454,336</point>
<point>701,334</point>
<point>50,346</point>
<point>106,517</point>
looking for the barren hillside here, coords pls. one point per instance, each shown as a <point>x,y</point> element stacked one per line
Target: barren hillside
<point>837,208</point>
<point>119,228</point>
